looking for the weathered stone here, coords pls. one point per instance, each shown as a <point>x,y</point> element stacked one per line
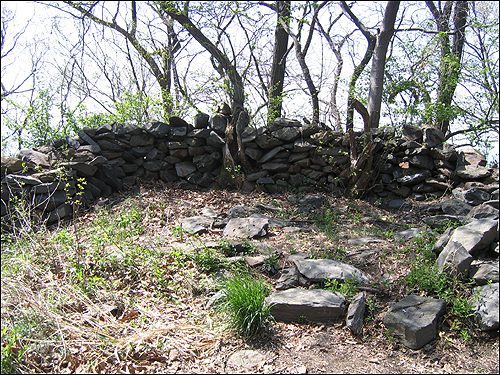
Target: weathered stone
<point>455,207</point>
<point>266,141</point>
<point>52,186</point>
<point>475,236</point>
<point>485,306</point>
<point>246,227</point>
<point>439,221</point>
<point>422,161</point>
<point>483,272</point>
<point>454,258</point>
<point>473,196</point>
<point>289,279</point>
<point>64,210</point>
<point>18,180</point>
<point>363,240</point>
<point>218,124</point>
<point>184,168</point>
<point>442,240</point>
<point>286,134</point>
<point>275,167</point>
<point>313,200</point>
<point>197,224</point>
<point>83,169</point>
<point>484,211</point>
<point>140,140</point>
<point>11,165</point>
<point>128,128</point>
<point>356,314</point>
<point>270,154</point>
<point>413,133</point>
<point>107,174</point>
<point>34,157</point>
<point>302,145</point>
<point>97,161</point>
<point>444,152</point>
<point>408,234</point>
<point>320,270</point>
<point>51,201</point>
<point>414,320</point>
<point>245,360</point>
<point>432,137</point>
<point>316,305</point>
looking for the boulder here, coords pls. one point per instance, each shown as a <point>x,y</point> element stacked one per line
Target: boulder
<point>485,306</point>
<point>475,236</point>
<point>414,320</point>
<point>316,305</point>
<point>35,157</point>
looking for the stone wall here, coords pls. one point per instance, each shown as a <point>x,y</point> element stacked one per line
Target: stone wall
<point>285,156</point>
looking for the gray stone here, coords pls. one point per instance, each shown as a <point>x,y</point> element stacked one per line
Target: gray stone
<point>275,167</point>
<point>107,174</point>
<point>316,305</point>
<point>270,154</point>
<point>363,240</point>
<point>246,227</point>
<point>455,207</point>
<point>64,210</point>
<point>266,141</point>
<point>302,145</point>
<point>140,140</point>
<point>439,221</point>
<point>289,278</point>
<point>207,163</point>
<point>484,211</point>
<point>320,270</point>
<point>442,240</point>
<point>218,124</point>
<point>356,314</point>
<point>109,146</point>
<point>50,187</point>
<point>313,200</point>
<point>127,128</point>
<point>185,168</point>
<point>444,152</point>
<point>86,138</point>
<point>97,161</point>
<point>49,202</point>
<point>240,211</point>
<point>35,157</point>
<point>286,134</point>
<point>400,203</point>
<point>408,234</point>
<point>422,161</point>
<point>245,360</point>
<point>432,137</point>
<point>485,306</point>
<point>83,169</point>
<point>13,179</point>
<point>473,196</point>
<point>201,120</point>
<point>197,224</point>
<point>413,133</point>
<point>454,258</point>
<point>414,320</point>
<point>483,272</point>
<point>477,235</point>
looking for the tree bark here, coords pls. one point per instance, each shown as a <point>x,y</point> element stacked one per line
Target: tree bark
<point>451,56</point>
<point>279,62</point>
<point>378,64</point>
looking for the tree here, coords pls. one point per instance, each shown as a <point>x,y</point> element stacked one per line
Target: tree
<point>280,52</point>
<point>162,74</point>
<point>240,119</point>
<point>450,67</point>
<point>384,36</point>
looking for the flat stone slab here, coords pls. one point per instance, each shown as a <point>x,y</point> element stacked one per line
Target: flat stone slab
<point>320,270</point>
<point>246,227</point>
<point>316,305</point>
<point>363,240</point>
<point>485,305</point>
<point>414,320</point>
<point>475,236</point>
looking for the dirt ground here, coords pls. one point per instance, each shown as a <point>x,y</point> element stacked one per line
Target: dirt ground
<point>329,348</point>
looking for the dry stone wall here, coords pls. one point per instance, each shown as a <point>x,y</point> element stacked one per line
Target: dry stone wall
<point>285,155</point>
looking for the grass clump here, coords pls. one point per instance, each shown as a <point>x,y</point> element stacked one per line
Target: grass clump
<point>245,304</point>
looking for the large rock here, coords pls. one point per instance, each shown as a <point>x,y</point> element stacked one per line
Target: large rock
<point>475,236</point>
<point>315,305</point>
<point>485,306</point>
<point>34,157</point>
<point>246,227</point>
<point>414,320</point>
<point>454,258</point>
<point>320,270</point>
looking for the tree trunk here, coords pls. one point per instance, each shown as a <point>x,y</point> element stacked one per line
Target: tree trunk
<point>279,62</point>
<point>378,64</point>
<point>451,56</point>
<point>358,69</point>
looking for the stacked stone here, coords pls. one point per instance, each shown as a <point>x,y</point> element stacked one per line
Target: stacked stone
<point>282,156</point>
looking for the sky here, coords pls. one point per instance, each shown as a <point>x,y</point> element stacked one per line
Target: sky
<point>38,29</point>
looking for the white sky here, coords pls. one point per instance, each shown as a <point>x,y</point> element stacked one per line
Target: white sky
<point>39,29</point>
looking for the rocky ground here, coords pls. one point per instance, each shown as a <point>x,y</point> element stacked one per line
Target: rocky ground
<point>187,336</point>
<point>309,347</point>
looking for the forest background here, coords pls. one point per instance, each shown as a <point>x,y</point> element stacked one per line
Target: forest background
<point>68,65</point>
